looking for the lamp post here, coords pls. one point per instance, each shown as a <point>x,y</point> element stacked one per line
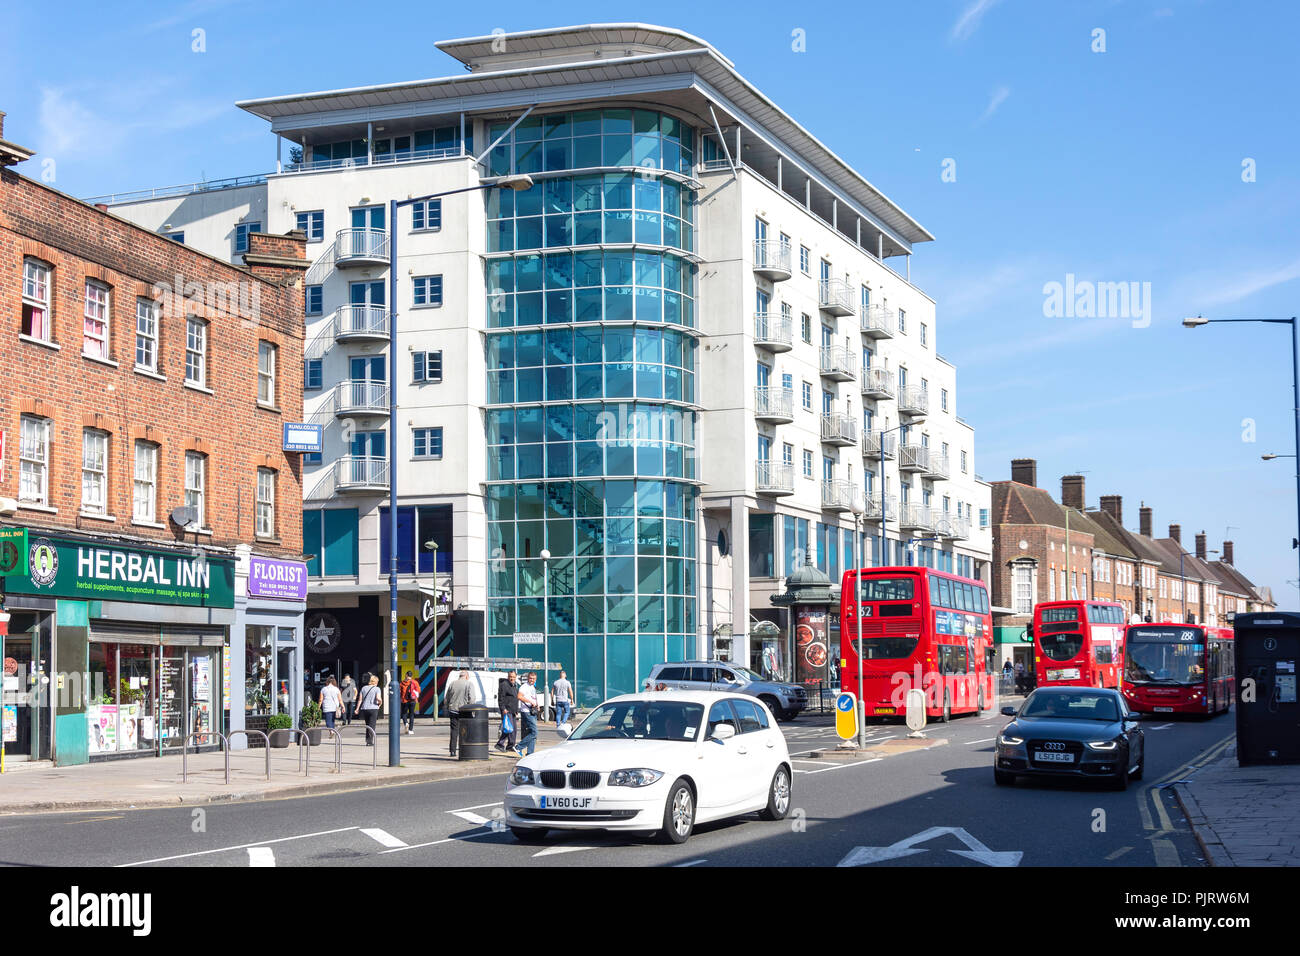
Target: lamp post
<point>884,515</point>
<point>1193,322</point>
<point>858,509</point>
<point>545,555</point>
<point>517,184</point>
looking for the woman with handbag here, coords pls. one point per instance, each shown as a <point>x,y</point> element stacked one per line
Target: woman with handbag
<point>368,706</point>
<point>331,702</point>
<point>508,707</point>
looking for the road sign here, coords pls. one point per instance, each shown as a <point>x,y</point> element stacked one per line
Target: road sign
<point>846,716</point>
<point>975,850</point>
<point>530,637</point>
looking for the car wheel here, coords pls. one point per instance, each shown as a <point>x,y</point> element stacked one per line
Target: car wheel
<point>777,710</point>
<point>679,814</point>
<point>778,796</point>
<point>529,834</point>
<point>1004,779</point>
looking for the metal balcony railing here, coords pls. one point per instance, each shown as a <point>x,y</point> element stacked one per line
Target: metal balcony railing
<point>839,362</point>
<point>773,331</point>
<point>952,526</point>
<point>877,383</point>
<point>835,297</point>
<point>774,404</point>
<point>361,398</point>
<point>871,511</point>
<point>772,259</point>
<point>360,473</point>
<point>360,247</point>
<point>773,478</point>
<point>914,515</point>
<point>914,458</point>
<point>913,400</point>
<point>871,446</point>
<point>938,470</point>
<point>837,495</point>
<point>879,322</point>
<point>839,430</point>
<point>361,322</point>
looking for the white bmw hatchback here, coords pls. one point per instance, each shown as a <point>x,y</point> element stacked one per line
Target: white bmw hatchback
<point>659,762</point>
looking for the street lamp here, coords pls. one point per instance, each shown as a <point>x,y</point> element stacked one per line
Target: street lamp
<point>545,555</point>
<point>1193,322</point>
<point>516,184</point>
<point>907,547</point>
<point>1270,456</point>
<point>858,508</point>
<point>884,514</point>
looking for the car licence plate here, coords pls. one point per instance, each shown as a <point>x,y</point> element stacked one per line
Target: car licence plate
<point>1051,757</point>
<point>566,803</point>
<point>884,710</point>
<point>1163,710</point>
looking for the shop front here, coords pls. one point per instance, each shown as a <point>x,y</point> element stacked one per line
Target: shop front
<point>117,649</point>
<point>268,632</point>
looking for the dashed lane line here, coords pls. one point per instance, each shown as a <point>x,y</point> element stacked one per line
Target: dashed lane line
<point>383,837</point>
<point>842,766</point>
<point>470,817</point>
<point>241,846</point>
<point>261,856</point>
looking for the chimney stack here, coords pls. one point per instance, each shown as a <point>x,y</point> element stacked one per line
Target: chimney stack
<point>2,125</point>
<point>1200,546</point>
<point>1025,471</point>
<point>1144,521</point>
<point>1113,505</point>
<point>1072,492</point>
<point>1227,552</point>
<point>1176,532</point>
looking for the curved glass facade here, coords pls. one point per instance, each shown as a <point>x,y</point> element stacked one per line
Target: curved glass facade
<point>590,382</point>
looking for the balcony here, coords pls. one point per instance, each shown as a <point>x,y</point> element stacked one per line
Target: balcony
<point>839,363</point>
<point>837,496</point>
<point>914,458</point>
<point>773,331</point>
<point>361,323</point>
<point>771,478</point>
<point>938,470</point>
<point>871,511</point>
<point>877,383</point>
<point>772,259</point>
<point>835,297</point>
<point>360,398</point>
<point>360,247</point>
<point>354,473</point>
<point>878,323</point>
<point>839,430</point>
<point>774,405</point>
<point>871,446</point>
<point>914,401</point>
<point>949,525</point>
<point>913,516</point>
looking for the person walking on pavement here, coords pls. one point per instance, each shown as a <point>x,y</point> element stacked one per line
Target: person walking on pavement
<point>460,694</point>
<point>562,694</point>
<point>349,692</point>
<point>528,714</point>
<point>331,702</point>
<point>410,700</point>
<point>508,707</point>
<point>369,705</point>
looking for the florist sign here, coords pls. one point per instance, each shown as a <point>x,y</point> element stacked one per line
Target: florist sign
<point>269,578</point>
<point>103,572</point>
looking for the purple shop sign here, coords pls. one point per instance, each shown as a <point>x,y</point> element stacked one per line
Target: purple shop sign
<point>269,578</point>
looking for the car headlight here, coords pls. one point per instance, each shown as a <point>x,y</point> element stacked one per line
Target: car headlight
<point>521,777</point>
<point>638,777</point>
<point>1103,744</point>
<point>1010,741</point>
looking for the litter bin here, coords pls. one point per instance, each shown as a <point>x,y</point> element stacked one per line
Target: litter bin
<point>473,742</point>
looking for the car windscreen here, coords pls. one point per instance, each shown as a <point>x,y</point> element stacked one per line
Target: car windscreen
<point>1077,705</point>
<point>642,720</point>
<point>887,589</point>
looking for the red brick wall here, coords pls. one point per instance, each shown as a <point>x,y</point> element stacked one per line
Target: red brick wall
<point>75,392</point>
<point>1006,548</point>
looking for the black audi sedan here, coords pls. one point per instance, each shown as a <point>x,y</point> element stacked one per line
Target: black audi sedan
<point>1071,731</point>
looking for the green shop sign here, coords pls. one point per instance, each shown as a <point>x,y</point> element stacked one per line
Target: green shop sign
<point>13,551</point>
<point>104,572</point>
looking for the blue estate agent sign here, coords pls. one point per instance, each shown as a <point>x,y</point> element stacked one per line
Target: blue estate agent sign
<point>299,436</point>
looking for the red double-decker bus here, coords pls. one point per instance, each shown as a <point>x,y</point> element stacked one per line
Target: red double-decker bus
<point>1078,643</point>
<point>1178,668</point>
<point>920,628</point>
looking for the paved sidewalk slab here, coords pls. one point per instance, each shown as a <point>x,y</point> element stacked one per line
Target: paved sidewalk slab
<point>1244,816</point>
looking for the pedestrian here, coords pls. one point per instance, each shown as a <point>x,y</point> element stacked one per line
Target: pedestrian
<point>1020,677</point>
<point>331,702</point>
<point>528,707</point>
<point>562,694</point>
<point>410,700</point>
<point>368,706</point>
<point>460,694</point>
<point>349,692</point>
<point>508,708</point>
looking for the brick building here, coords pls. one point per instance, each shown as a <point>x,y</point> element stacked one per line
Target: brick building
<point>150,524</point>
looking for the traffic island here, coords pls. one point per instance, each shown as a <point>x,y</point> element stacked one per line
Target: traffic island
<point>885,748</point>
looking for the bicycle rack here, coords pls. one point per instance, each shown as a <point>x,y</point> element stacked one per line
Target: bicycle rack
<point>266,745</point>
<point>185,752</point>
<point>304,750</point>
<point>338,748</point>
<point>374,754</point>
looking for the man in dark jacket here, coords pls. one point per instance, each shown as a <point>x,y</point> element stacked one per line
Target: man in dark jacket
<point>508,703</point>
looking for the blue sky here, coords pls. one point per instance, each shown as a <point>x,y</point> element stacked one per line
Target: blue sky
<point>1115,166</point>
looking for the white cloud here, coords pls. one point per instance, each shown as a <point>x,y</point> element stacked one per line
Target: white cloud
<point>969,21</point>
<point>1224,290</point>
<point>997,99</point>
<point>98,121</point>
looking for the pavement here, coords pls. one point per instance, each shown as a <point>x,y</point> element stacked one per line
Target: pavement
<point>1244,816</point>
<point>157,781</point>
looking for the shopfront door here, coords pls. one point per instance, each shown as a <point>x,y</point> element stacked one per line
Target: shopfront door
<point>290,690</point>
<point>26,695</point>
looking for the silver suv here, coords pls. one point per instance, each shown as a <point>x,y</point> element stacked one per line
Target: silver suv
<point>783,700</point>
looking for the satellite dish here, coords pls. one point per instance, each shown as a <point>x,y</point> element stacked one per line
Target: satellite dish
<point>185,516</point>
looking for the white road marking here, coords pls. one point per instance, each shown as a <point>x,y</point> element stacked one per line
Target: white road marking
<point>556,850</point>
<point>241,846</point>
<point>382,837</point>
<point>975,850</point>
<point>469,817</point>
<point>1118,853</point>
<point>691,863</point>
<point>1161,727</point>
<point>984,741</point>
<point>481,806</point>
<point>261,856</point>
<point>843,765</point>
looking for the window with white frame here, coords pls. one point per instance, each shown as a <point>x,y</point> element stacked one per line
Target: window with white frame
<point>94,471</point>
<point>196,477</point>
<point>312,223</point>
<point>241,234</point>
<point>787,454</point>
<point>806,328</point>
<point>146,335</point>
<point>426,216</point>
<point>807,463</point>
<point>963,462</point>
<point>428,291</point>
<point>36,300</point>
<point>267,354</point>
<point>144,491</point>
<point>902,321</point>
<point>95,325</point>
<point>426,366</point>
<point>1023,587</point>
<point>196,351</point>
<point>924,335</point>
<point>943,399</point>
<point>426,442</point>
<point>34,460</point>
<point>807,396</point>
<point>265,503</point>
<point>805,257</point>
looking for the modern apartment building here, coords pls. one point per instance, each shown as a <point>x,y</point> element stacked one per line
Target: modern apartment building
<point>631,398</point>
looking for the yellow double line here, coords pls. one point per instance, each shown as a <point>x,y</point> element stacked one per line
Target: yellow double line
<point>1165,852</point>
